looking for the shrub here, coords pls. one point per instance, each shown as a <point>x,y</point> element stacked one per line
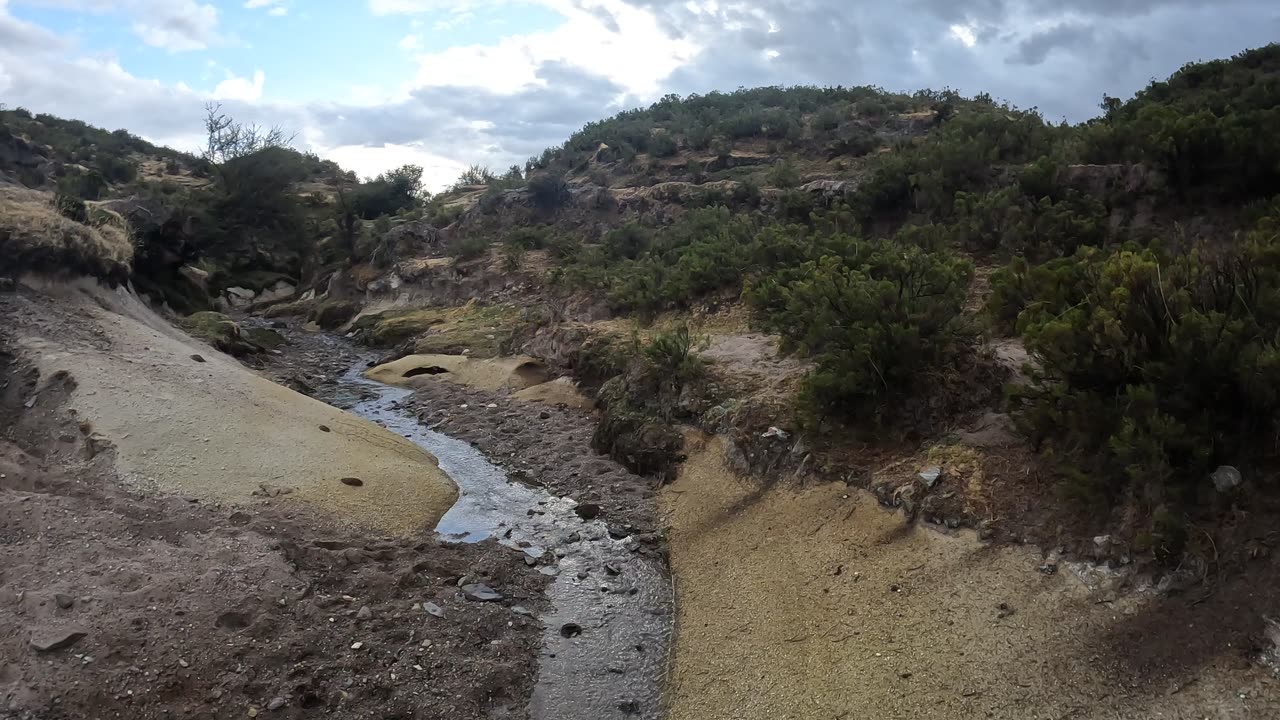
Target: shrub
<point>512,257</point>
<point>468,247</point>
<point>528,238</point>
<point>674,353</point>
<point>877,318</point>
<point>1155,367</point>
<point>662,145</point>
<point>784,175</point>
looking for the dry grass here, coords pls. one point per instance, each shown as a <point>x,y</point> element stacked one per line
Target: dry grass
<point>34,237</point>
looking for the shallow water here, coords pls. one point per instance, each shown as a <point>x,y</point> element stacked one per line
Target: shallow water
<point>613,664</point>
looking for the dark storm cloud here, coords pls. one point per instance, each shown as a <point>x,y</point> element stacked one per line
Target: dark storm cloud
<point>1067,36</point>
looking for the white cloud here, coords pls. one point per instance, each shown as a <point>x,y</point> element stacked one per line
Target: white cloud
<point>410,42</point>
<point>238,88</point>
<point>278,11</point>
<point>177,25</point>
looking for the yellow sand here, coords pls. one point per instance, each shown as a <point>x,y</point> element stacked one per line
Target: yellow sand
<point>215,430</point>
<point>561,391</point>
<point>495,374</point>
<point>816,603</point>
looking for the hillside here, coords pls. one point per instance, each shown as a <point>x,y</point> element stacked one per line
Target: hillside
<point>953,409</point>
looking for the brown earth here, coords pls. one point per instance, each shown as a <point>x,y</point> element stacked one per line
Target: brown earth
<point>169,600</point>
<point>814,602</point>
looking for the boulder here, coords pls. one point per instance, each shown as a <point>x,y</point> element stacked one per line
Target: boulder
<point>1226,478</point>
<point>238,297</point>
<point>281,290</point>
<point>196,276</point>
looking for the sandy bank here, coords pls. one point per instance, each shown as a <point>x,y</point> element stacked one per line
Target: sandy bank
<point>515,373</point>
<point>212,429</point>
<point>816,603</point>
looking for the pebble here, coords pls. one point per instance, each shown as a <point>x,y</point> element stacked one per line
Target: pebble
<point>64,601</point>
<point>433,609</point>
<point>480,592</point>
<point>357,645</point>
<point>276,703</point>
<point>364,613</point>
<point>51,640</point>
<point>183,663</point>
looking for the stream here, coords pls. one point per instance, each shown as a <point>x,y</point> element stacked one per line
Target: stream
<point>606,639</point>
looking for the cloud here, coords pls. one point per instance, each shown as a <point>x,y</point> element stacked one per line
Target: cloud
<point>500,101</point>
<point>238,88</point>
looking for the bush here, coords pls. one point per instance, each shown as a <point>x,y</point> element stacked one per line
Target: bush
<point>662,145</point>
<point>467,247</point>
<point>674,353</point>
<point>1155,367</point>
<point>877,318</point>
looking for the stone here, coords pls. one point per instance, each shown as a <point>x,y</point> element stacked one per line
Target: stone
<point>930,475</point>
<point>618,532</point>
<point>50,640</point>
<point>325,428</point>
<point>479,592</point>
<point>522,610</point>
<point>64,601</point>
<point>570,630</point>
<point>1226,478</point>
<point>433,609</point>
<point>198,358</point>
<point>275,704</point>
<point>544,415</point>
<point>587,511</point>
<point>612,569</point>
<point>774,432</point>
<point>352,482</point>
<point>364,613</point>
<point>198,277</point>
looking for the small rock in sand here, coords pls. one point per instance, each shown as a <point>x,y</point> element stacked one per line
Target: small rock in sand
<point>49,640</point>
<point>433,609</point>
<point>275,704</point>
<point>352,482</point>
<point>480,592</point>
<point>364,613</point>
<point>588,511</point>
<point>198,358</point>
<point>324,428</point>
<point>612,569</point>
<point>64,601</point>
<point>544,415</point>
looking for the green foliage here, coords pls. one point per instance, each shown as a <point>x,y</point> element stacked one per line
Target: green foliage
<point>1156,366</point>
<point>662,145</point>
<point>876,316</point>
<point>71,207</point>
<point>512,257</point>
<point>529,237</point>
<point>467,247</point>
<point>784,174</point>
<point>1210,127</point>
<point>674,353</point>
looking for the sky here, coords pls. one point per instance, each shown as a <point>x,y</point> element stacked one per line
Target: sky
<point>375,84</point>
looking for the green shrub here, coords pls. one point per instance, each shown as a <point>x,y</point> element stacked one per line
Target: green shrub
<point>512,257</point>
<point>877,316</point>
<point>674,353</point>
<point>467,247</point>
<point>662,145</point>
<point>528,238</point>
<point>1155,366</point>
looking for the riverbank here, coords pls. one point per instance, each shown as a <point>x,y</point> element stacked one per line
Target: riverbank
<point>814,602</point>
<point>181,599</point>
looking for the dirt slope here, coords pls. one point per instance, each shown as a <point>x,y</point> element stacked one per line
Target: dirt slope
<point>819,604</point>
<point>212,429</point>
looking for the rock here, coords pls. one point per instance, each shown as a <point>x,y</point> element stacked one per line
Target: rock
<point>352,482</point>
<point>238,297</point>
<point>612,569</point>
<point>50,640</point>
<point>64,601</point>
<point>549,571</point>
<point>357,645</point>
<point>629,707</point>
<point>930,475</point>
<point>324,428</point>
<point>364,613</point>
<point>198,277</point>
<point>544,415</point>
<point>1226,478</point>
<point>587,511</point>
<point>433,609</point>
<point>570,630</point>
<point>774,432</point>
<point>522,610</point>
<point>618,532</point>
<point>198,358</point>
<point>275,704</point>
<point>480,592</point>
